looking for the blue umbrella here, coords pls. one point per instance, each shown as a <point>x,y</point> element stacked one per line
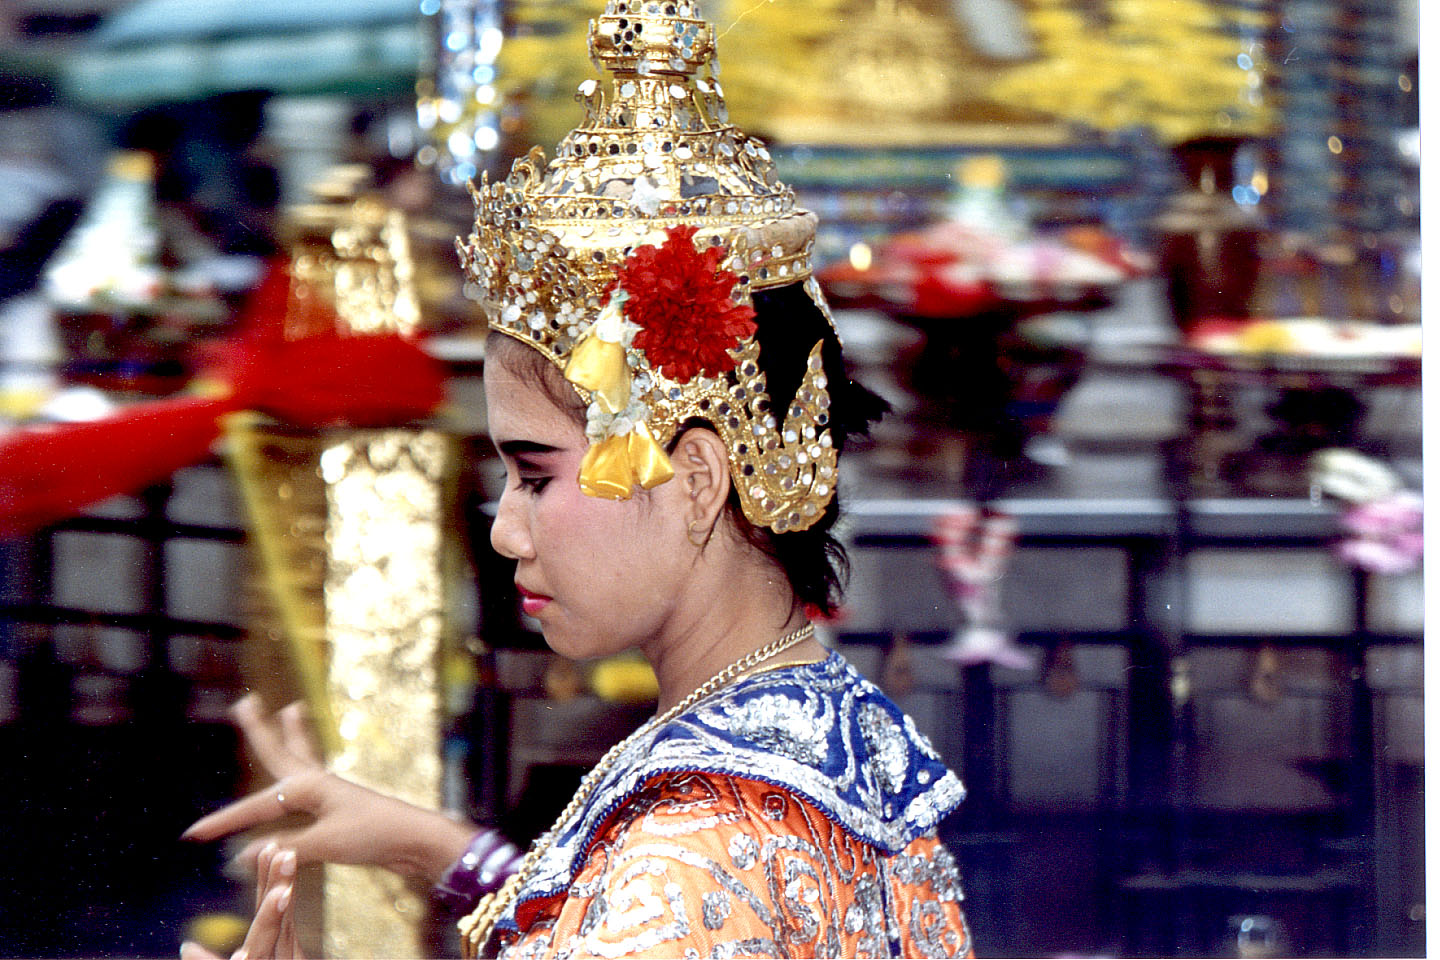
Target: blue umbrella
<point>159,51</point>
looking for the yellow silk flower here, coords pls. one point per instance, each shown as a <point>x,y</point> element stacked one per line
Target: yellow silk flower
<point>599,366</point>
<point>612,467</point>
<point>598,361</point>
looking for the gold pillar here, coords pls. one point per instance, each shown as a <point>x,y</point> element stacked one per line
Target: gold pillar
<point>386,493</point>
<point>352,530</point>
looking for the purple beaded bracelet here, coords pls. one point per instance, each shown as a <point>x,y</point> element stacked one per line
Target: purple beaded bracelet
<point>486,863</point>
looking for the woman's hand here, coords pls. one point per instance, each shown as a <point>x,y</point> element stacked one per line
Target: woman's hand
<point>272,932</point>
<point>349,823</point>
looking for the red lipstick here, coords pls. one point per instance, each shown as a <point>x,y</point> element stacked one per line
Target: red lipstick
<point>530,602</point>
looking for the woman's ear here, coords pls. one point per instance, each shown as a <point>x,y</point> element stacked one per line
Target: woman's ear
<point>702,468</point>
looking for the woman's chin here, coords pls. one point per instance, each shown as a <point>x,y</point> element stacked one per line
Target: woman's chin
<point>577,645</point>
<point>560,640</point>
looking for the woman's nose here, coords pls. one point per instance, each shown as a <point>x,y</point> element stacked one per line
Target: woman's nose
<point>509,535</point>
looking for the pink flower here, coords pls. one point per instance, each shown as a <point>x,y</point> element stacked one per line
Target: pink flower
<point>1391,515</point>
<point>1378,556</point>
<point>1388,534</point>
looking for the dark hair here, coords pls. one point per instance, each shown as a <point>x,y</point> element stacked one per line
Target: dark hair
<point>788,323</point>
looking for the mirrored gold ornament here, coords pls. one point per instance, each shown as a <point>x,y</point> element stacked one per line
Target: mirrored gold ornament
<point>656,150</point>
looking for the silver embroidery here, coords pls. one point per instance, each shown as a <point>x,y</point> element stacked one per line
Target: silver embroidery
<point>801,890</point>
<point>715,908</point>
<point>743,851</point>
<point>639,907</point>
<point>927,928</point>
<point>790,727</point>
<point>945,876</point>
<point>722,878</point>
<point>594,913</point>
<point>675,818</point>
<point>643,911</point>
<point>871,905</point>
<point>754,947</point>
<point>889,747</point>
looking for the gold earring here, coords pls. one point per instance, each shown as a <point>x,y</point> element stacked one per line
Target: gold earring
<point>690,532</point>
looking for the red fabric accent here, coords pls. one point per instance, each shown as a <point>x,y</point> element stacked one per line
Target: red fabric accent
<point>329,378</point>
<point>680,298</point>
<point>51,471</point>
<point>935,295</point>
<point>1206,327</point>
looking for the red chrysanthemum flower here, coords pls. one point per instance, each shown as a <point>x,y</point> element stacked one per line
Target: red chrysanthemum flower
<point>680,299</point>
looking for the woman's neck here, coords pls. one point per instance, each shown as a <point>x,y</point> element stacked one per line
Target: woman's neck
<point>724,621</point>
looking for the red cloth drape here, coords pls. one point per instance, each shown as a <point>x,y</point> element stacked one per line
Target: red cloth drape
<point>51,471</point>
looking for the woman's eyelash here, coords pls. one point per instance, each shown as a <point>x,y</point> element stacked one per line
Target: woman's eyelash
<point>533,484</point>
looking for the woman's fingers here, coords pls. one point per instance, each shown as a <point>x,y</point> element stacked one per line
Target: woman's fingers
<point>288,944</point>
<point>264,935</point>
<point>262,871</point>
<point>283,748</point>
<point>282,877</point>
<point>344,823</point>
<point>272,932</point>
<point>274,884</point>
<point>296,736</point>
<point>282,868</point>
<point>263,806</point>
<point>249,857</point>
<point>266,738</point>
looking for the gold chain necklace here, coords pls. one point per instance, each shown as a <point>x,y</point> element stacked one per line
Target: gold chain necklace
<point>476,928</point>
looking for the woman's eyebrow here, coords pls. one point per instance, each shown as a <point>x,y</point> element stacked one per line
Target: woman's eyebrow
<point>517,448</point>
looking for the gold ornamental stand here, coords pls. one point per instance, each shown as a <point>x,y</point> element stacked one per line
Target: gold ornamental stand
<point>351,527</point>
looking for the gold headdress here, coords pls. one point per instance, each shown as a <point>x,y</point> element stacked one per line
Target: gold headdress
<point>629,260</point>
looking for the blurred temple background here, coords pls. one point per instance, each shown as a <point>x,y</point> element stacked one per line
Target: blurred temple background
<point>1141,279</point>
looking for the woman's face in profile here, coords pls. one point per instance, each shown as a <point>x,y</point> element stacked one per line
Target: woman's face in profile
<point>598,575</point>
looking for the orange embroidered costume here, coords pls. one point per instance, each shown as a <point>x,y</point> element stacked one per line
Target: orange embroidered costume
<point>790,815</point>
